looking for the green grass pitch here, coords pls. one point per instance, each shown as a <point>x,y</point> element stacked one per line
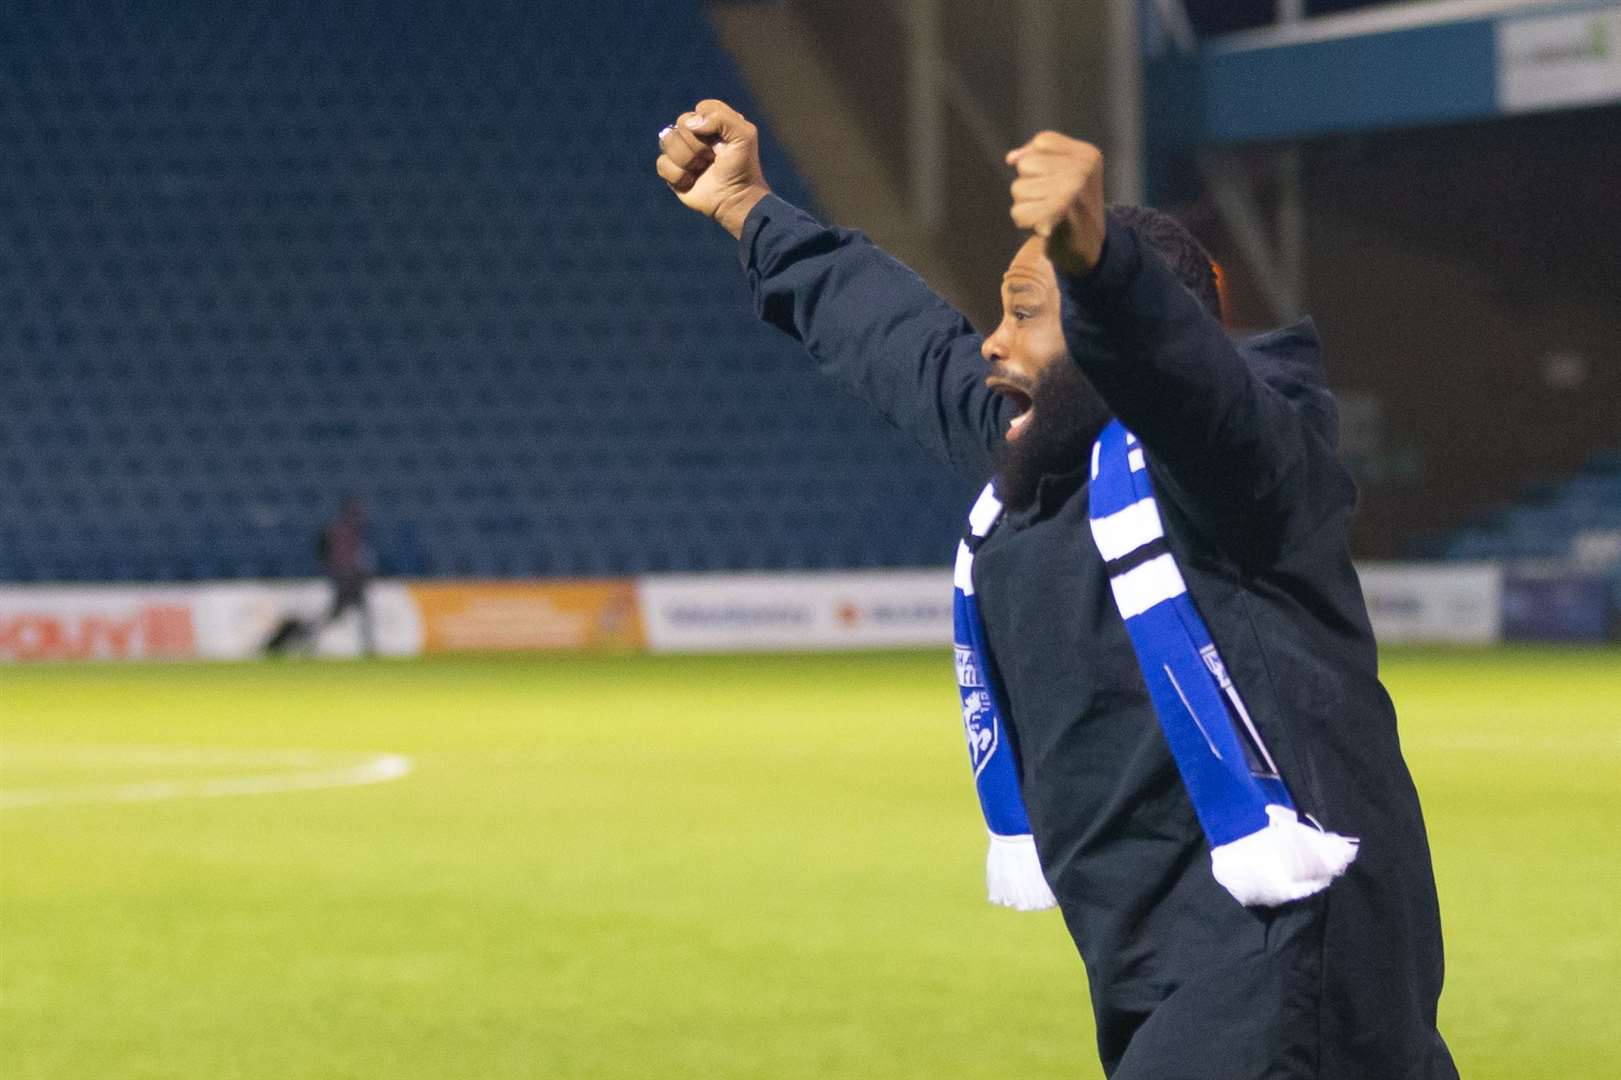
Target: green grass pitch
<point>616,867</point>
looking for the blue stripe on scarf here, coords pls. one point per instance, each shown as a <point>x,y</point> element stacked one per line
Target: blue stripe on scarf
<point>1171,641</point>
<point>995,775</point>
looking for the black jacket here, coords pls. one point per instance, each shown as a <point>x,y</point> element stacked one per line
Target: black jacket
<point>1240,442</point>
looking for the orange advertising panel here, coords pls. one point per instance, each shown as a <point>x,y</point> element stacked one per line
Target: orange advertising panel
<point>460,616</point>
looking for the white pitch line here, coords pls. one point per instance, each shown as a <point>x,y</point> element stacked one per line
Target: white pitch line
<point>377,769</point>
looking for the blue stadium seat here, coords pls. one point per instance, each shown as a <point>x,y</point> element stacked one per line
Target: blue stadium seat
<point>345,261</point>
<point>1545,523</point>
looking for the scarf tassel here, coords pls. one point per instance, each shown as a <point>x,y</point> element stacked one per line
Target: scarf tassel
<point>1288,860</point>
<point>1013,876</point>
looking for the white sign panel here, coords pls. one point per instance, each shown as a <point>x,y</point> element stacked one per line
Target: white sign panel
<point>1559,61</point>
<point>1454,603</point>
<point>217,621</point>
<point>97,623</point>
<point>235,619</point>
<point>734,612</point>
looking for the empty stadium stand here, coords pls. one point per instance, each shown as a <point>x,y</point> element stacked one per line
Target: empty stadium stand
<point>1552,521</point>
<point>255,257</point>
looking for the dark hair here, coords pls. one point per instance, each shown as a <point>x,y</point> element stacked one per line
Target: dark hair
<point>1186,257</point>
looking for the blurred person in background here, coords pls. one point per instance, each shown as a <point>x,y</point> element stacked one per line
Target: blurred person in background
<point>345,552</point>
<point>1112,317</point>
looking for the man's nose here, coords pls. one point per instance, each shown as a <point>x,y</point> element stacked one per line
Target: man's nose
<point>991,347</point>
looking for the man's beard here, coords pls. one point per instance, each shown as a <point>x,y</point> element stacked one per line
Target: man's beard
<point>1067,415</point>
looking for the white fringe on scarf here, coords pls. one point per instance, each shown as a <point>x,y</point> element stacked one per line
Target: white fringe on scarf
<point>1013,876</point>
<point>1287,860</point>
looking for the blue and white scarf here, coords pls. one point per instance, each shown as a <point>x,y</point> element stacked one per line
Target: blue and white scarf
<point>1260,850</point>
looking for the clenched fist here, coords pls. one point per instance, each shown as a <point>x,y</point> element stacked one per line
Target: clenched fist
<point>1058,195</point>
<point>710,157</point>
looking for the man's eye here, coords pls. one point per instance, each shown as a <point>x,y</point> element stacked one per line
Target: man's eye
<point>1020,315</point>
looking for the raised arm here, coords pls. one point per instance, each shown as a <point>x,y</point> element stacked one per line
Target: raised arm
<point>869,323</point>
<point>1253,455</point>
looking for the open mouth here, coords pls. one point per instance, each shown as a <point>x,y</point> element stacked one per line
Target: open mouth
<point>1022,403</point>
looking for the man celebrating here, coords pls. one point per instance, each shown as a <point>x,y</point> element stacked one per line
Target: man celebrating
<point>1168,676</point>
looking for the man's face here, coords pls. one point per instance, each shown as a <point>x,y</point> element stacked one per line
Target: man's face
<point>1059,412</point>
<point>1029,342</point>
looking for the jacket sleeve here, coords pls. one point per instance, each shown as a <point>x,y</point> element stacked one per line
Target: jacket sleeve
<point>1253,464</point>
<point>871,324</point>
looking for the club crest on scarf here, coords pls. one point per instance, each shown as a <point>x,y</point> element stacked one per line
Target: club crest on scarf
<point>979,723</point>
<point>1212,660</point>
<point>978,712</point>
